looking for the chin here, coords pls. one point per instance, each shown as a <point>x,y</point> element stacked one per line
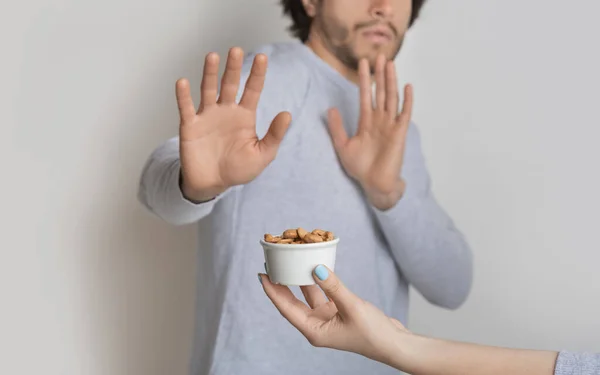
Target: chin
<point>371,53</point>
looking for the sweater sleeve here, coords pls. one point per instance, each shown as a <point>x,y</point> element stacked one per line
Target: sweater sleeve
<point>159,189</point>
<point>569,363</point>
<point>430,251</point>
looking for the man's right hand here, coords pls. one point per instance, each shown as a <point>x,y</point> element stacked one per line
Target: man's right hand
<point>219,147</point>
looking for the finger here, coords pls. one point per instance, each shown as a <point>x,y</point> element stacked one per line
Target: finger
<point>314,296</point>
<point>405,116</point>
<point>231,78</point>
<point>391,86</point>
<point>284,300</point>
<point>255,82</point>
<point>334,289</point>
<point>336,128</point>
<point>185,103</point>
<point>380,82</point>
<point>210,81</point>
<point>271,141</point>
<point>366,99</point>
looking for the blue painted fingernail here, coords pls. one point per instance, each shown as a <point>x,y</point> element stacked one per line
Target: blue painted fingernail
<point>260,279</point>
<point>321,272</point>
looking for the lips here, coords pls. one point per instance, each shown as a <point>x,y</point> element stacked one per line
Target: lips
<point>378,34</point>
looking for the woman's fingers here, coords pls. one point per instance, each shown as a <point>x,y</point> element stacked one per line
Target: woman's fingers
<point>344,299</point>
<point>314,296</point>
<point>288,305</point>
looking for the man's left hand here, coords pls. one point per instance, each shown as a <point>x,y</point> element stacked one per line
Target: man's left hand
<point>374,156</point>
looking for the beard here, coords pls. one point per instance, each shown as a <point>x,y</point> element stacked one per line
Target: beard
<point>335,37</point>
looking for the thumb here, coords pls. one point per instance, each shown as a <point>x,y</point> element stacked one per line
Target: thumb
<point>271,141</point>
<point>336,128</point>
<point>335,290</point>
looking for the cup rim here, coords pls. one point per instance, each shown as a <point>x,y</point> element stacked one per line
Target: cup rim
<point>307,246</point>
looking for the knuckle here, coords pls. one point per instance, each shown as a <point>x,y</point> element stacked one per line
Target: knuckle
<point>358,308</point>
<point>334,287</point>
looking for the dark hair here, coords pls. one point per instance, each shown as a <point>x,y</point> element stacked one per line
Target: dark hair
<point>301,21</point>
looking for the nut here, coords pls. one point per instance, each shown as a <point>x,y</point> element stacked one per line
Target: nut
<point>301,233</point>
<point>329,236</point>
<point>312,238</point>
<point>272,239</point>
<point>290,234</point>
<point>286,241</point>
<point>319,232</point>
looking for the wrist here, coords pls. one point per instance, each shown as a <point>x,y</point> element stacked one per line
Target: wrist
<point>385,200</point>
<point>410,353</point>
<point>399,352</point>
<point>201,194</point>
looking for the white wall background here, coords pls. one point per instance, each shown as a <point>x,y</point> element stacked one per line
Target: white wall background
<point>91,284</point>
<point>507,99</point>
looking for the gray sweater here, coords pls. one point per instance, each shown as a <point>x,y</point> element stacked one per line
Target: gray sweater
<point>569,363</point>
<point>238,331</point>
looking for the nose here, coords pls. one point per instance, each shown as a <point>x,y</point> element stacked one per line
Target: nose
<point>381,9</point>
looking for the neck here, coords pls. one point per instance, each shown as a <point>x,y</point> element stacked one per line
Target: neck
<point>316,43</point>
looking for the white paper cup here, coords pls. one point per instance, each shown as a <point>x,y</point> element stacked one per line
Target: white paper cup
<point>293,264</point>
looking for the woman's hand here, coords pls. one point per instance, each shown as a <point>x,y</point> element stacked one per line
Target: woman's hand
<point>339,319</point>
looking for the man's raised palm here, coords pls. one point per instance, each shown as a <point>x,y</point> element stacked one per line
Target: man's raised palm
<point>219,147</point>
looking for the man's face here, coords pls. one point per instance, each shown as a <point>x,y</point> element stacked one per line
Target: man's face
<point>353,29</point>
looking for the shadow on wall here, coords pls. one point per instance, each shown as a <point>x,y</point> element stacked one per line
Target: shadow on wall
<point>142,317</point>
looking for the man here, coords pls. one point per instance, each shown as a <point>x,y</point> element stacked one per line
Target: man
<point>316,151</point>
